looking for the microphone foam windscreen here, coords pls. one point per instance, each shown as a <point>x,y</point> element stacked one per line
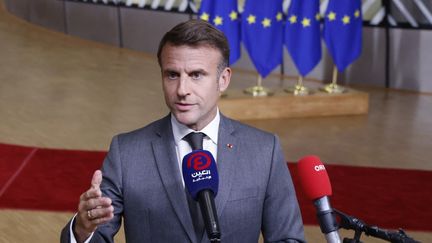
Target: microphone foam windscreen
<point>200,172</point>
<point>314,177</point>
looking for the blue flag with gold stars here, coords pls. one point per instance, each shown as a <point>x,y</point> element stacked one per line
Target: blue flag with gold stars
<point>303,35</point>
<point>343,31</point>
<point>224,16</point>
<point>262,33</point>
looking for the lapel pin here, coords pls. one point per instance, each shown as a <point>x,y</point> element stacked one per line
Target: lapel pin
<point>230,145</point>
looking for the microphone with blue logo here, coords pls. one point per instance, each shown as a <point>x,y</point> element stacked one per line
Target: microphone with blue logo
<point>202,181</point>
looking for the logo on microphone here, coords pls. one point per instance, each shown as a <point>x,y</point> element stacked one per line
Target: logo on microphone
<point>199,161</point>
<point>200,172</point>
<point>319,168</point>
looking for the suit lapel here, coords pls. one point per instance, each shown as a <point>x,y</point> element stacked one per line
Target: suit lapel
<point>166,161</point>
<point>227,154</point>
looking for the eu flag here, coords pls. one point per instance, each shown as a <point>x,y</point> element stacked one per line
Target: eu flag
<point>302,34</point>
<point>262,33</point>
<point>343,31</point>
<point>224,16</point>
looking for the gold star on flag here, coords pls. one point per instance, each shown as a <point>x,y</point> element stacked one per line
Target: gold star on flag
<point>331,16</point>
<point>293,19</point>
<point>233,15</point>
<point>266,22</point>
<point>204,16</point>
<point>357,13</point>
<point>218,20</point>
<point>306,22</point>
<point>251,19</point>
<point>318,16</point>
<point>279,16</point>
<point>346,19</point>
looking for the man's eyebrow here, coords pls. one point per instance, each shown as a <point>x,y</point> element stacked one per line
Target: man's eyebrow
<point>198,70</point>
<point>169,70</point>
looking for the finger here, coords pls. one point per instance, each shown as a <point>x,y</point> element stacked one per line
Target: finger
<point>90,219</point>
<point>87,205</point>
<point>93,203</point>
<point>98,213</point>
<point>91,193</point>
<point>102,220</point>
<point>96,180</point>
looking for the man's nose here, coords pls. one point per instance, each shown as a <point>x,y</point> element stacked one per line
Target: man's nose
<point>183,87</point>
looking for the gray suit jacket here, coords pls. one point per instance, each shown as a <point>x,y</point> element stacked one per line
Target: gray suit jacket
<point>141,176</point>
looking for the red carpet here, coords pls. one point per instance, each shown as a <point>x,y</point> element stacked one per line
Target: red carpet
<point>50,179</point>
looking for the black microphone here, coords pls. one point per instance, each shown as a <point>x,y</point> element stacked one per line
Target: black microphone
<point>316,185</point>
<point>202,181</point>
<point>351,223</point>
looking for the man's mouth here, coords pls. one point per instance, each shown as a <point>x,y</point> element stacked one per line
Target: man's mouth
<point>183,106</point>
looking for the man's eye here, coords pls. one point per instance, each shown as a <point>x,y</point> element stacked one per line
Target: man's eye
<point>196,75</point>
<point>172,75</point>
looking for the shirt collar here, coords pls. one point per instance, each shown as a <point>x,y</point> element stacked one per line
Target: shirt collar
<point>211,130</point>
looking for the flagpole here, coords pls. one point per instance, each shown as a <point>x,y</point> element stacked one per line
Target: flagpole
<point>258,90</point>
<point>259,81</point>
<point>335,75</point>
<point>333,87</point>
<point>299,88</point>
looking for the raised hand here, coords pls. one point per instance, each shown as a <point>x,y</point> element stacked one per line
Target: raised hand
<point>93,210</point>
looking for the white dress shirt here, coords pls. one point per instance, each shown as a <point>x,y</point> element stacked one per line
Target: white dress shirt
<point>183,147</point>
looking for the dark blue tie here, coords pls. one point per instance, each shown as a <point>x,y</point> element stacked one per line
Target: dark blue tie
<point>195,140</point>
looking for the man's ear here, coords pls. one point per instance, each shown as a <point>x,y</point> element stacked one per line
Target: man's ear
<point>224,79</point>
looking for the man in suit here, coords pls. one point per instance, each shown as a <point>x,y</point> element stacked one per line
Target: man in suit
<point>141,178</point>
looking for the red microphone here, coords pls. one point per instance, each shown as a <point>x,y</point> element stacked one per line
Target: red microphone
<point>316,184</point>
<point>314,177</point>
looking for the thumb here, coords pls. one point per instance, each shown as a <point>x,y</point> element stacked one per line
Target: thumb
<point>96,180</point>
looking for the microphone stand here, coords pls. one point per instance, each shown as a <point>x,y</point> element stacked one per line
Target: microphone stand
<point>349,222</point>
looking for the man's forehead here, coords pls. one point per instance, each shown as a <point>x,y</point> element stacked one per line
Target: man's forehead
<point>192,55</point>
<point>207,47</point>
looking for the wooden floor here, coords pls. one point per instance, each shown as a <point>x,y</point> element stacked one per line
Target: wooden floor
<point>58,91</point>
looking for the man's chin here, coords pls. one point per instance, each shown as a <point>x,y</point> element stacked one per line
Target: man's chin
<point>184,119</point>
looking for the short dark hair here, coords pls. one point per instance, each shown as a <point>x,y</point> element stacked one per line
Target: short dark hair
<point>197,33</point>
